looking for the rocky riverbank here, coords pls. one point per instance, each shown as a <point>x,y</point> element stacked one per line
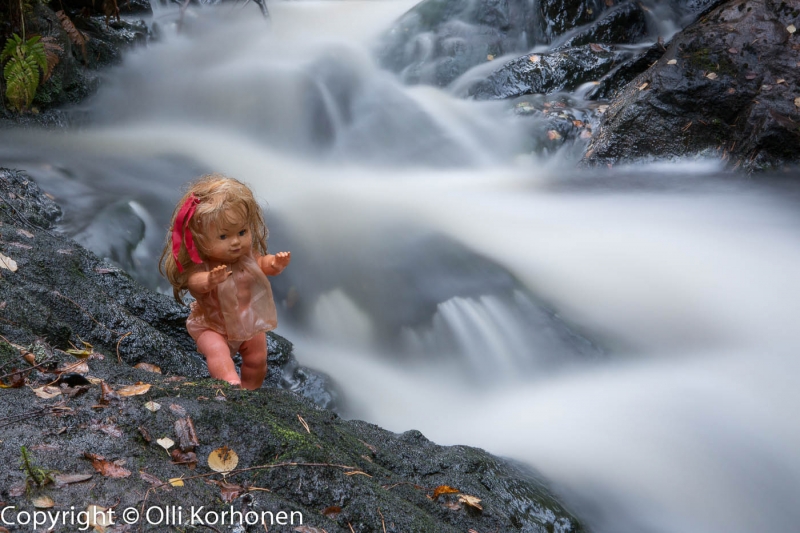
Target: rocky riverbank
<point>92,425</point>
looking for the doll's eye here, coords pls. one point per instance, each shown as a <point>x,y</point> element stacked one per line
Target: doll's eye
<point>223,237</point>
<point>242,233</point>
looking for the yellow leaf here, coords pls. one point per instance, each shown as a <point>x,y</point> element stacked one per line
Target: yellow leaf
<point>134,390</point>
<point>222,459</point>
<point>8,263</point>
<point>43,502</point>
<point>472,501</point>
<point>176,482</point>
<point>166,443</point>
<point>489,57</point>
<point>148,367</point>
<point>444,489</point>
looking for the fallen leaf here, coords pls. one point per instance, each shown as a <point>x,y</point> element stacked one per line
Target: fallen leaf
<point>84,352</point>
<point>68,479</point>
<point>43,502</point>
<point>47,392</point>
<point>309,529</point>
<point>455,506</point>
<point>553,135</point>
<point>15,380</point>
<point>490,57</point>
<point>166,443</point>
<point>304,423</point>
<point>107,428</point>
<point>444,489</point>
<point>106,468</point>
<point>797,101</point>
<point>187,437</point>
<point>25,233</point>
<point>586,134</point>
<point>17,490</point>
<point>577,123</point>
<point>534,58</point>
<point>602,108</point>
<point>790,28</point>
<point>594,47</point>
<point>672,62</point>
<point>153,480</point>
<point>180,457</point>
<point>107,393</point>
<point>733,51</point>
<point>134,390</point>
<point>332,512</point>
<point>152,406</point>
<point>711,76</point>
<point>99,518</point>
<point>7,263</point>
<point>751,76</point>
<point>177,409</point>
<point>147,367</point>
<point>643,86</point>
<point>229,491</point>
<point>357,473</point>
<point>472,501</point>
<point>78,367</point>
<point>731,91</point>
<point>609,3</point>
<point>176,481</point>
<point>145,434</point>
<point>780,81</point>
<point>766,87</point>
<point>222,459</point>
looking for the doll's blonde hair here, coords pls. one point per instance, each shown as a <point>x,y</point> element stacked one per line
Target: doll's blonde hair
<point>220,200</point>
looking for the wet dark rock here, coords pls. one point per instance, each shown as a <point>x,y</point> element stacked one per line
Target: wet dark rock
<point>64,294</point>
<point>725,88</point>
<point>438,40</point>
<point>392,476</point>
<point>564,69</point>
<point>625,23</point>
<point>556,17</point>
<point>640,60</point>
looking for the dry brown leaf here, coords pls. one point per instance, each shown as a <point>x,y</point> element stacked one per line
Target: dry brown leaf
<point>15,380</point>
<point>152,406</point>
<point>643,86</point>
<point>147,367</point>
<point>17,490</point>
<point>444,489</point>
<point>105,467</point>
<point>107,394</point>
<point>23,232</point>
<point>145,434</point>
<point>134,390</point>
<point>7,263</point>
<point>733,51</point>
<point>47,392</point>
<point>43,502</point>
<point>180,457</point>
<point>751,75</point>
<point>711,76</point>
<point>68,479</point>
<point>229,491</point>
<point>74,34</point>
<point>177,409</point>
<point>780,81</point>
<point>108,428</point>
<point>223,460</point>
<point>332,512</point>
<point>187,437</point>
<point>490,57</point>
<point>731,91</point>
<point>534,58</point>
<point>472,501</point>
<point>553,135</point>
<point>586,134</point>
<point>455,506</point>
<point>154,481</point>
<point>577,123</point>
<point>594,47</point>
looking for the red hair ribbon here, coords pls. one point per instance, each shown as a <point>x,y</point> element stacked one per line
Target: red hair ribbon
<point>182,233</point>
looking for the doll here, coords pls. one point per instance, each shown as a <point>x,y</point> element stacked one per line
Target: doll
<point>217,251</point>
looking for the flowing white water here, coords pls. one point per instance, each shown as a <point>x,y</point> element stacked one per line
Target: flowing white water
<point>450,286</point>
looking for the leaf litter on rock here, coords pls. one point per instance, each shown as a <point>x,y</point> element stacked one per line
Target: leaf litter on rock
<point>106,467</point>
<point>223,460</point>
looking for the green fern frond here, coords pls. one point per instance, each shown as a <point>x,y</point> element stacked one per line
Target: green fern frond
<point>24,61</point>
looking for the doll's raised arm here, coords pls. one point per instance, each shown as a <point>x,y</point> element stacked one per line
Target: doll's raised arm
<point>272,265</point>
<point>203,282</point>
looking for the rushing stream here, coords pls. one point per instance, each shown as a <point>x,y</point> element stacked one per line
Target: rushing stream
<point>630,333</point>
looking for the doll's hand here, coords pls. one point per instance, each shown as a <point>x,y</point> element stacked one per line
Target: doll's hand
<point>218,275</point>
<point>272,265</point>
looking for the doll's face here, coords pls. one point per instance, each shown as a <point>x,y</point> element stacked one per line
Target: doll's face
<point>227,241</point>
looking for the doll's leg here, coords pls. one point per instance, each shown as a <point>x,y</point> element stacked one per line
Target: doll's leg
<point>254,361</point>
<point>218,356</point>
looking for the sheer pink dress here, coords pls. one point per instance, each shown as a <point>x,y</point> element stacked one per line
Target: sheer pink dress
<point>238,308</point>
